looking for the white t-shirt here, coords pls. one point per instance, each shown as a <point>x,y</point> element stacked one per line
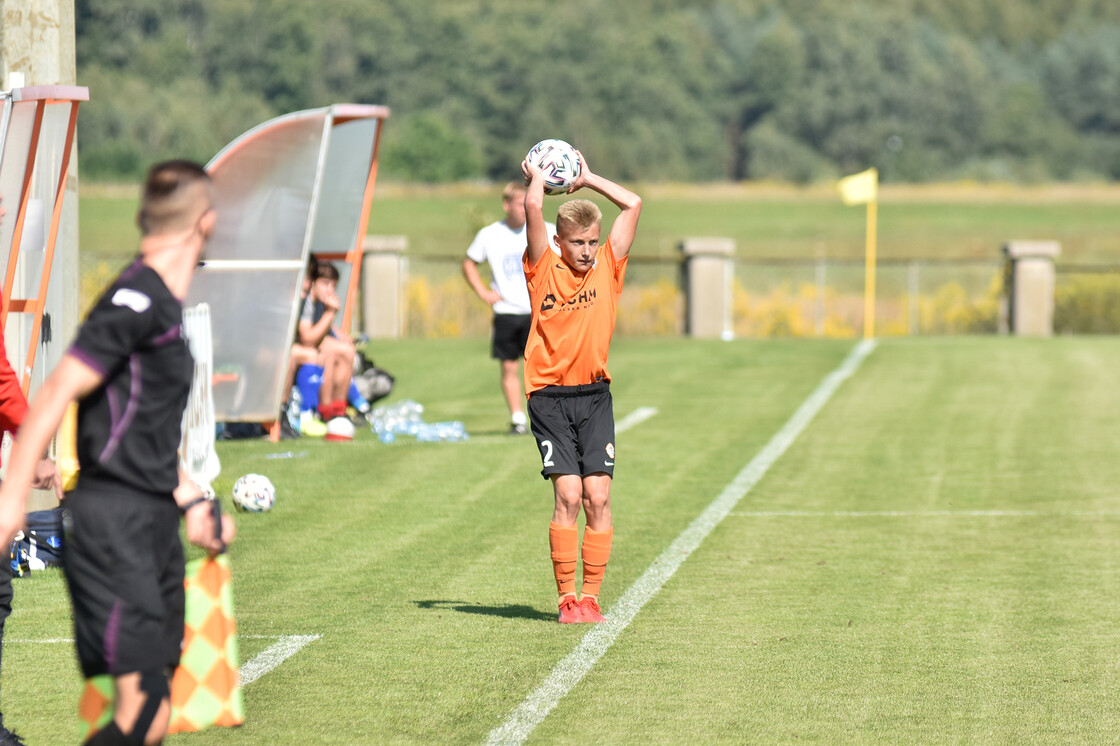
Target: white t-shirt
<point>502,247</point>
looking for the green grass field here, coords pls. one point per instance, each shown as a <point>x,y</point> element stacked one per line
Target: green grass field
<point>933,559</point>
<point>937,222</point>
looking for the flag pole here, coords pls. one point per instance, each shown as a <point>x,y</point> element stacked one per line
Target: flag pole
<point>869,271</point>
<point>863,189</point>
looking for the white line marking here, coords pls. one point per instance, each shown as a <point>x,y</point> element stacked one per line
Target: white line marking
<point>926,513</point>
<point>285,647</point>
<point>637,417</point>
<point>570,671</point>
<point>273,656</point>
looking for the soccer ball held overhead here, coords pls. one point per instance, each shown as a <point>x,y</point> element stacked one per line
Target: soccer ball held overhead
<point>560,163</point>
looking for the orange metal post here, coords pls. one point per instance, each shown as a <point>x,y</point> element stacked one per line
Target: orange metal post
<point>44,280</point>
<point>25,190</point>
<point>355,253</point>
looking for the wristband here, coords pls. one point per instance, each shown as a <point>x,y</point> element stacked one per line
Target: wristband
<point>192,503</point>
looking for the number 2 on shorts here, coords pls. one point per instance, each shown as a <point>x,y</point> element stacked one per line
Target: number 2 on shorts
<point>546,446</point>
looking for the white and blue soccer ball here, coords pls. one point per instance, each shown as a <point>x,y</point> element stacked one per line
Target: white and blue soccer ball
<point>254,493</point>
<point>560,163</point>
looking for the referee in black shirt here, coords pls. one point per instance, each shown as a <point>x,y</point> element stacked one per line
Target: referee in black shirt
<point>130,369</point>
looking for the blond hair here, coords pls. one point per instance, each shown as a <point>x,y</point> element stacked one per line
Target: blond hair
<point>578,214</point>
<point>512,188</point>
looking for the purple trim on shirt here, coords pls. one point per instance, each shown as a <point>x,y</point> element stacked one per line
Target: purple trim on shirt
<point>88,359</point>
<point>121,426</point>
<point>170,335</point>
<point>138,265</point>
<point>131,270</point>
<point>112,636</point>
<point>114,407</point>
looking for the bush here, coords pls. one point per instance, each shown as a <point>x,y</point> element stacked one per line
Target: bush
<point>776,156</point>
<point>427,148</point>
<point>1088,304</point>
<point>951,311</point>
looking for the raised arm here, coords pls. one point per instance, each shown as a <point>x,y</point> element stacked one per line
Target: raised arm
<point>625,226</point>
<point>535,229</point>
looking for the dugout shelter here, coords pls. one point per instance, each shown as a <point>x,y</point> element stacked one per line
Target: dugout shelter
<point>37,127</point>
<point>297,185</point>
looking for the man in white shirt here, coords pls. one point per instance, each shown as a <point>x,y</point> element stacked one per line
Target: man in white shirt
<point>502,245</point>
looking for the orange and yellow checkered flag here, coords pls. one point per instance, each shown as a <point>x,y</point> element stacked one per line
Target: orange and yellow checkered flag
<point>205,690</point>
<point>95,708</point>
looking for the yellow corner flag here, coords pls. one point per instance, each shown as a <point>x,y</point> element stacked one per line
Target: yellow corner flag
<point>861,188</point>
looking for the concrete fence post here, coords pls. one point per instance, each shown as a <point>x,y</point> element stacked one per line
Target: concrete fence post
<point>708,275</point>
<point>383,286</point>
<point>1029,288</point>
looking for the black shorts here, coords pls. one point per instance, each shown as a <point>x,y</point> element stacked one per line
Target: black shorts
<point>509,335</point>
<point>123,562</point>
<point>574,428</point>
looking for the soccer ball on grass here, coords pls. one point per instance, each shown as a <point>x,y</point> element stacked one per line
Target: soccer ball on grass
<point>560,163</point>
<point>254,493</point>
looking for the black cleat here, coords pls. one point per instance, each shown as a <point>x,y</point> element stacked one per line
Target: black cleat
<point>287,432</point>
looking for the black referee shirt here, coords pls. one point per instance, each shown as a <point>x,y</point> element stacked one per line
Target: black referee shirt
<point>129,427</point>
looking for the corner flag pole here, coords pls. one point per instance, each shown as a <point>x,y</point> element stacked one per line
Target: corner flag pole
<point>869,271</point>
<point>863,189</point>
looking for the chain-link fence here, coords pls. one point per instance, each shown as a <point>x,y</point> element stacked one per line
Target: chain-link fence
<point>776,297</point>
<point>1087,299</point>
<point>825,297</point>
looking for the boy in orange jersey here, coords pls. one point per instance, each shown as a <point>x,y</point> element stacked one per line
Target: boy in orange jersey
<point>574,300</point>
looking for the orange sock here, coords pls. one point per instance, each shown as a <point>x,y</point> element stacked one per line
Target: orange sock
<point>596,552</point>
<point>564,543</point>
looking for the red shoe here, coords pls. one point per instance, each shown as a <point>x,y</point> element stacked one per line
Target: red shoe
<point>589,610</point>
<point>569,611</point>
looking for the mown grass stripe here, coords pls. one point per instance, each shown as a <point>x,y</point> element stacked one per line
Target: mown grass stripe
<point>524,719</point>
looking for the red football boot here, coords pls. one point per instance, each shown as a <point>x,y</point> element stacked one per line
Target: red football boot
<point>589,610</point>
<point>569,611</point>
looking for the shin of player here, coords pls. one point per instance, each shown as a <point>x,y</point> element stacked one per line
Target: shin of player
<point>574,300</point>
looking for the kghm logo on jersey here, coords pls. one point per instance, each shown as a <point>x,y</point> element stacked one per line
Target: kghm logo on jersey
<point>585,299</point>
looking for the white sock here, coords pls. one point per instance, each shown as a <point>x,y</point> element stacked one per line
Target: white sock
<point>519,418</point>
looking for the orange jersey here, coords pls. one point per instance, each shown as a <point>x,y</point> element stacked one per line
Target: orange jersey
<point>573,319</point>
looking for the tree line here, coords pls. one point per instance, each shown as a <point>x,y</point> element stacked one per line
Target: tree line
<point>655,90</point>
